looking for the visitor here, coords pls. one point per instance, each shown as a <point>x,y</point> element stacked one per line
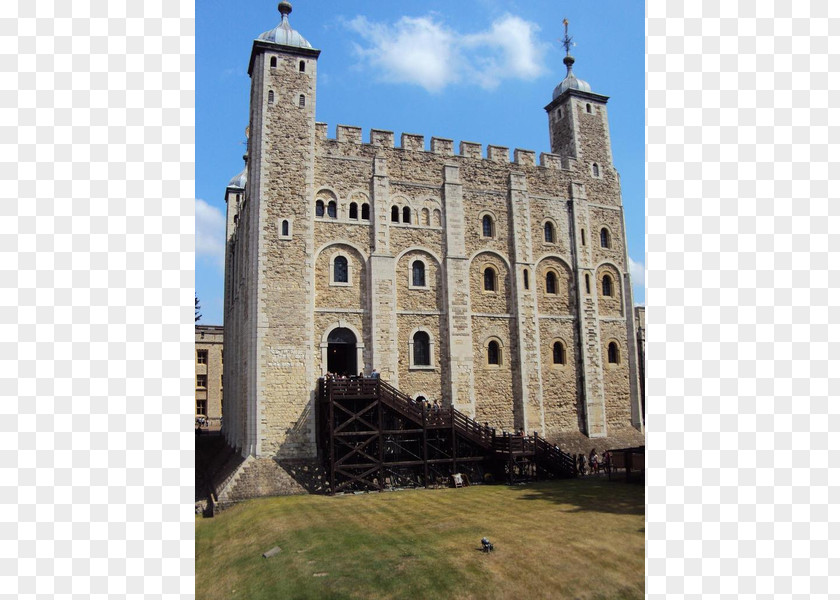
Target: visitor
<point>593,460</point>
<point>374,374</point>
<point>581,464</point>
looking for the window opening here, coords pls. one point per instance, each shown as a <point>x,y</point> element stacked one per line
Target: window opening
<point>595,170</point>
<point>366,212</point>
<point>489,279</point>
<point>559,354</point>
<point>273,62</point>
<point>302,101</point>
<point>612,353</point>
<point>587,283</point>
<point>607,286</point>
<point>332,209</point>
<point>302,67</point>
<point>340,269</point>
<point>271,96</point>
<point>319,208</point>
<point>487,226</point>
<point>605,238</point>
<point>418,274</point>
<point>406,214</point>
<point>550,283</point>
<point>549,233</point>
<point>422,356</point>
<point>395,214</point>
<point>525,277</point>
<point>285,228</point>
<point>354,211</point>
<point>493,357</point>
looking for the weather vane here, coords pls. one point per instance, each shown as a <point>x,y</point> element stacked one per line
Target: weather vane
<point>567,40</point>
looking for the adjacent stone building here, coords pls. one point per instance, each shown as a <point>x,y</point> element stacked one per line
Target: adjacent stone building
<point>640,343</point>
<point>500,287</point>
<point>209,380</point>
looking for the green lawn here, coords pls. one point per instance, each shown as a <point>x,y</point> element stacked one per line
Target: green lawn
<point>566,539</point>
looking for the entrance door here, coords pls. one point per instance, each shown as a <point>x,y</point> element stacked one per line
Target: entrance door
<point>341,352</point>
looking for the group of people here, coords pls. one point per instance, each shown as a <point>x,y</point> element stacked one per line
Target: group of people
<point>595,463</point>
<point>337,376</point>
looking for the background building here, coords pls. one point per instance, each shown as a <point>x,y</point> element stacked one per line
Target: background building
<point>499,287</point>
<point>209,365</point>
<point>640,344</point>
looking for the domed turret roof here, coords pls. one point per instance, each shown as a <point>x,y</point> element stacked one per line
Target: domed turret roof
<point>238,181</point>
<point>284,34</point>
<point>571,83</point>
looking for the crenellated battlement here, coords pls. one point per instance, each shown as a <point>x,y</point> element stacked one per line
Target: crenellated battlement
<point>350,134</point>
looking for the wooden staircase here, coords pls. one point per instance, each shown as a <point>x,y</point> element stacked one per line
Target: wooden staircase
<point>373,437</point>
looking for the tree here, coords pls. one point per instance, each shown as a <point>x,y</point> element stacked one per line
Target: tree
<point>197,308</point>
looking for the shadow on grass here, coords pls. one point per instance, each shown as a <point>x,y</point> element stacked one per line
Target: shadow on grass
<point>589,495</point>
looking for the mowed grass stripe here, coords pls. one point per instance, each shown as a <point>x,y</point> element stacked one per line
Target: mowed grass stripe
<point>566,539</point>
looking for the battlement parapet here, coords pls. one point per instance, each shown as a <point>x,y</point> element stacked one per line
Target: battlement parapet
<point>382,138</point>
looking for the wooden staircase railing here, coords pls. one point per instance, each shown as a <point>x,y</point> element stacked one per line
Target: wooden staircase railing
<point>546,456</point>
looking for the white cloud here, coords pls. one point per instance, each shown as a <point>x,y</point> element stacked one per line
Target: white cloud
<point>425,52</point>
<point>637,272</point>
<point>209,232</point>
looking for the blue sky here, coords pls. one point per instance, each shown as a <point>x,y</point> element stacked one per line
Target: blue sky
<point>474,70</point>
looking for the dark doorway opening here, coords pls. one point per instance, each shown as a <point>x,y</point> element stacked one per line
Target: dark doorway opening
<point>341,352</point>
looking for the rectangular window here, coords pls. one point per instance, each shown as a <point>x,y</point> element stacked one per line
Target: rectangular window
<point>201,407</point>
<point>201,357</point>
<point>201,381</point>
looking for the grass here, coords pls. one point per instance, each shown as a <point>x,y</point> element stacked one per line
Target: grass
<point>565,539</point>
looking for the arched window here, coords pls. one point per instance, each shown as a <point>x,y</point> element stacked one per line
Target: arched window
<point>550,283</point>
<point>340,270</point>
<point>612,353</point>
<point>589,108</point>
<point>605,238</point>
<point>302,101</point>
<point>607,285</point>
<point>302,67</point>
<point>525,277</point>
<point>284,229</point>
<point>422,356</point>
<point>271,96</point>
<point>587,282</point>
<point>487,226</point>
<point>365,212</point>
<point>406,214</point>
<point>273,62</point>
<point>425,217</point>
<point>559,354</point>
<point>319,208</point>
<point>549,232</point>
<point>582,237</point>
<point>418,274</point>
<point>489,279</point>
<point>354,211</point>
<point>436,219</point>
<point>395,214</point>
<point>596,172</point>
<point>493,353</point>
<point>332,210</point>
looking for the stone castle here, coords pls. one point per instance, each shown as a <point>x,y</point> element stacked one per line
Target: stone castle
<point>498,287</point>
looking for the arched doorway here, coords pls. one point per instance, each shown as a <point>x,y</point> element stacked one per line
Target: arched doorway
<point>341,352</point>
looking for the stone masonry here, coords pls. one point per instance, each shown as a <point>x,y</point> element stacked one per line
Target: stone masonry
<point>480,255</point>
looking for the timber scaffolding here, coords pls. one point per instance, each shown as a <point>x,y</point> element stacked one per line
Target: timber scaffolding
<point>373,437</point>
